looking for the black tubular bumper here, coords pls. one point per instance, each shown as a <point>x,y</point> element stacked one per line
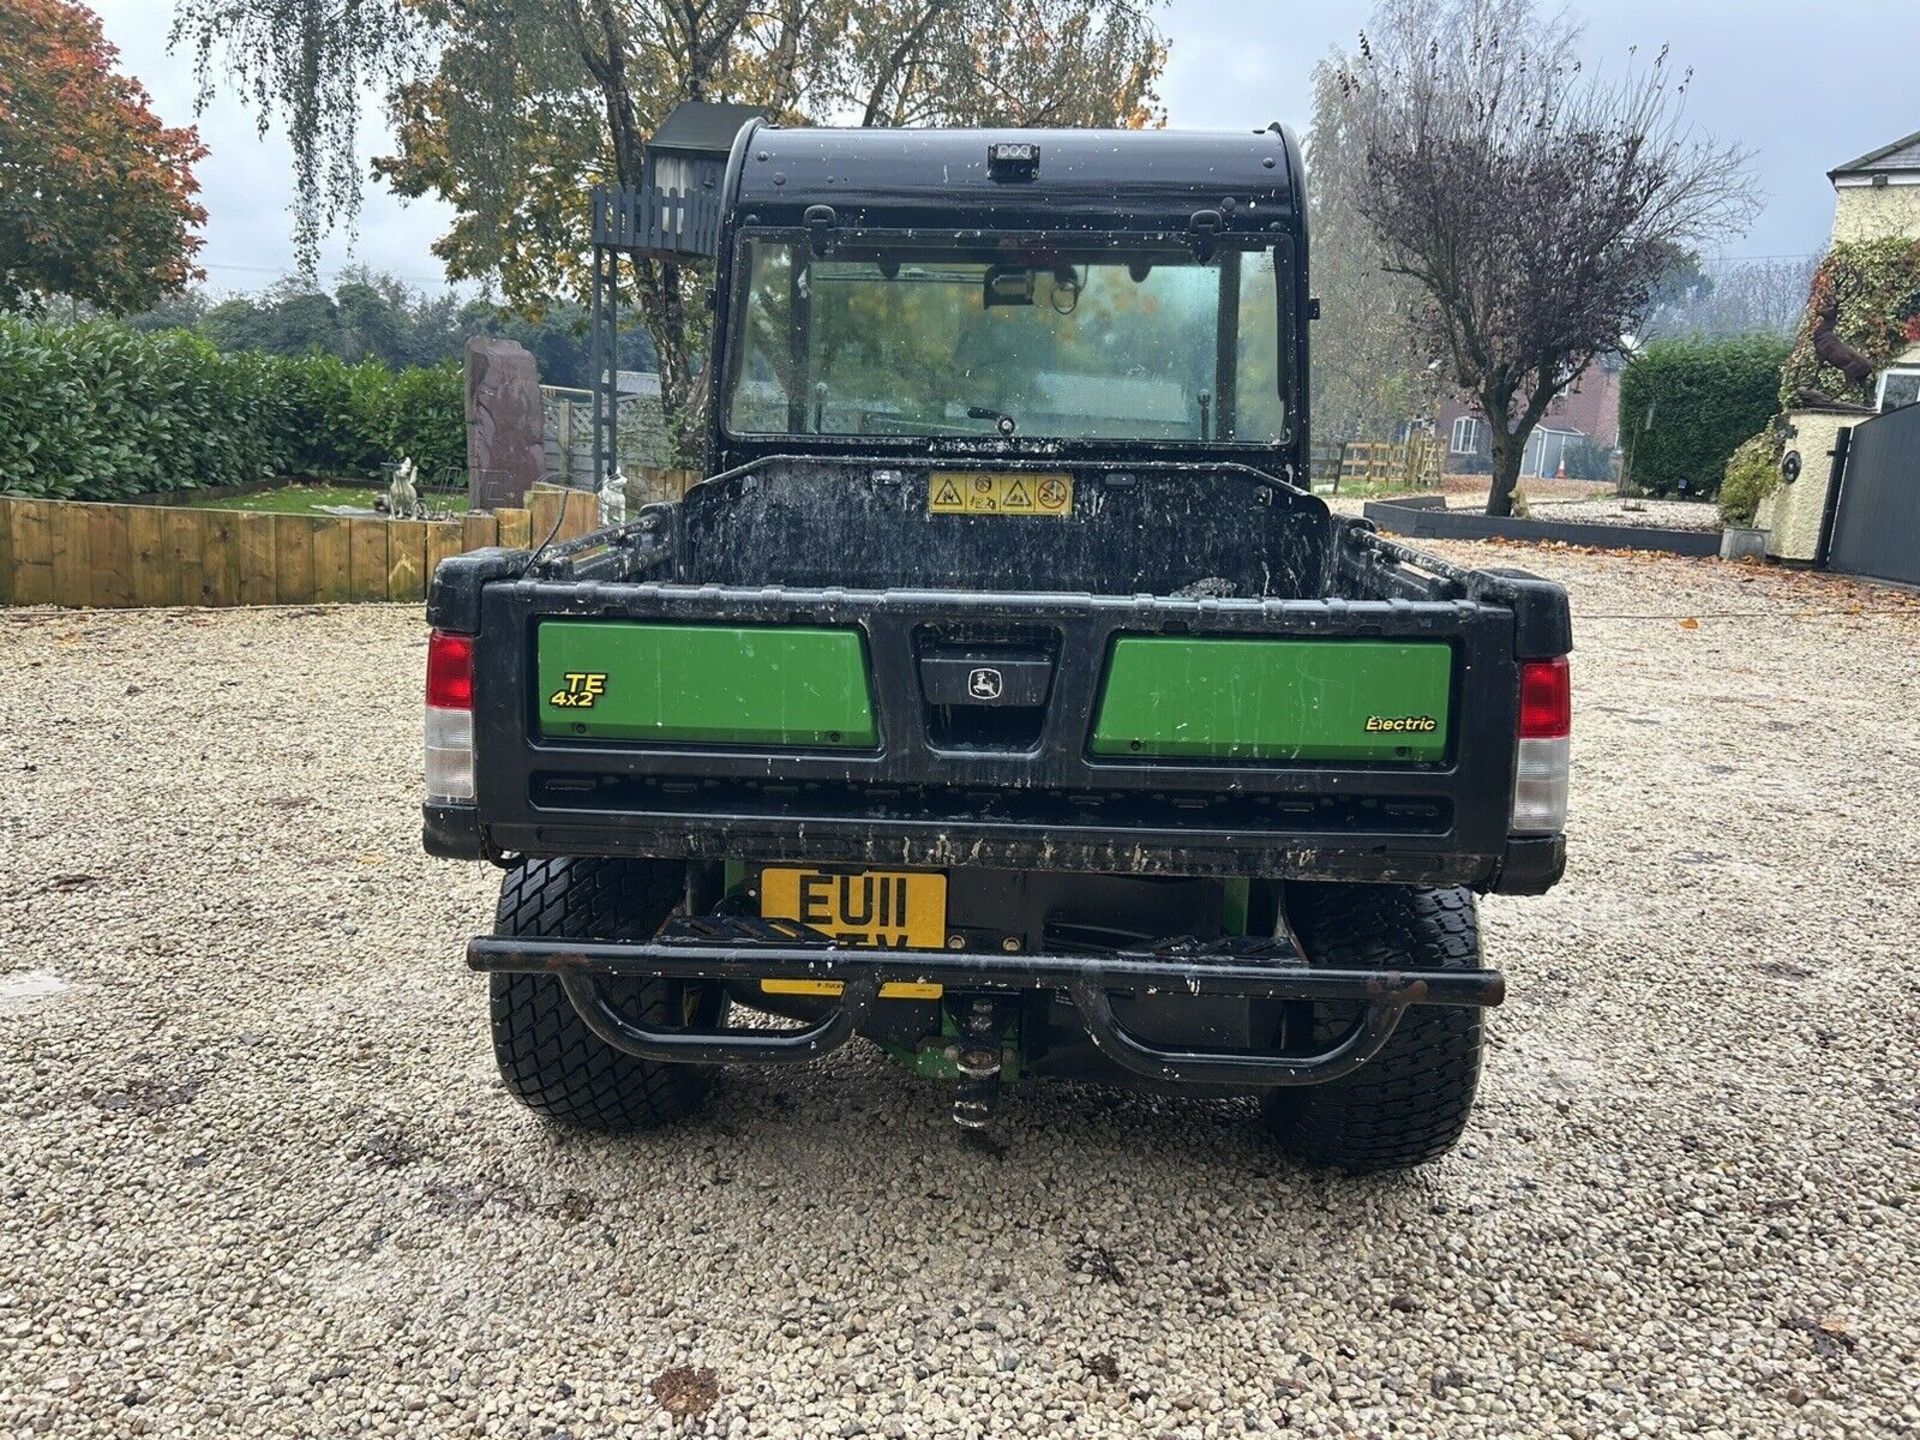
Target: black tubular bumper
<point>1264,969</point>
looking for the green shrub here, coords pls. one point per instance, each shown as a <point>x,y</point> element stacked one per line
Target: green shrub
<point>97,411</point>
<point>331,438</point>
<point>1685,405</point>
<point>427,419</point>
<point>1750,477</point>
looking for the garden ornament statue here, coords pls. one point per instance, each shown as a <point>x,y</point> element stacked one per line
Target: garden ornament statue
<point>403,498</point>
<point>613,499</point>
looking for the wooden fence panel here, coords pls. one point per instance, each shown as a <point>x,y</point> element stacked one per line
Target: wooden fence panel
<point>219,558</point>
<point>181,563</point>
<point>332,561</point>
<point>147,538</point>
<point>32,556</point>
<point>443,540</point>
<point>254,569</point>
<point>67,553</point>
<point>117,556</point>
<point>407,560</point>
<point>582,515</point>
<point>109,554</point>
<point>514,528</point>
<point>366,559</point>
<point>545,509</point>
<point>292,559</point>
<point>479,531</point>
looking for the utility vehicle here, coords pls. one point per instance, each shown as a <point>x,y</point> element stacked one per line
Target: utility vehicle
<point>1003,695</point>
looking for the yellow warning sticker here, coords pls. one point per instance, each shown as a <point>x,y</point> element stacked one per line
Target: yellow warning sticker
<point>962,492</point>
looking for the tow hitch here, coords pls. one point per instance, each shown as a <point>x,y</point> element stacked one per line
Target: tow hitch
<point>977,1056</point>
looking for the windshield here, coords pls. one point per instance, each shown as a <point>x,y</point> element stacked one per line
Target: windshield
<point>1145,343</point>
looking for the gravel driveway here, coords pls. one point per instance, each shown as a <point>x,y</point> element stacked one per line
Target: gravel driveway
<point>259,1178</point>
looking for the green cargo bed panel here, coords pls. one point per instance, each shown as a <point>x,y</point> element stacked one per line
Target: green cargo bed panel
<point>704,684</point>
<point>1174,697</point>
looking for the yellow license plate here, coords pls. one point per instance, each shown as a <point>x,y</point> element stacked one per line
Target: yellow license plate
<point>964,492</point>
<point>890,909</point>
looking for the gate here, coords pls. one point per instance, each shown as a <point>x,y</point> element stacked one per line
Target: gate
<point>1876,522</point>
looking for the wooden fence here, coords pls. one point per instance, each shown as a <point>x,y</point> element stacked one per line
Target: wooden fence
<point>118,556</point>
<point>1377,462</point>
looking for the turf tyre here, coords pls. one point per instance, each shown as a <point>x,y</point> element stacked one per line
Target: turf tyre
<point>547,1056</point>
<point>1410,1103</point>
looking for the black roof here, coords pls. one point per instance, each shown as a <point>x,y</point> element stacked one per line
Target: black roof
<point>705,127</point>
<point>1126,179</point>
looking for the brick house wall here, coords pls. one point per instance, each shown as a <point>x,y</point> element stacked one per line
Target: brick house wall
<point>1591,407</point>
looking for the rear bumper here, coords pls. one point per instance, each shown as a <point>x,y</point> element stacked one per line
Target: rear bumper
<point>1527,865</point>
<point>715,951</point>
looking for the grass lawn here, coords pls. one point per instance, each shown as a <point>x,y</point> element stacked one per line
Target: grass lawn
<point>313,499</point>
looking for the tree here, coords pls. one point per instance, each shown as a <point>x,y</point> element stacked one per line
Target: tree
<point>511,109</point>
<point>1765,296</point>
<point>1537,207</point>
<point>96,195</point>
<point>1366,381</point>
<point>291,319</point>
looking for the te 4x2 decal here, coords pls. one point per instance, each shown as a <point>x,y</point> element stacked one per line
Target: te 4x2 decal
<point>583,687</point>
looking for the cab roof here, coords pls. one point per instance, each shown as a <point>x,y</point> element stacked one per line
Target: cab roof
<point>1139,180</point>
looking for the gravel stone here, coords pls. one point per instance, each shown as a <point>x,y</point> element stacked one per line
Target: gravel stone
<point>259,1179</point>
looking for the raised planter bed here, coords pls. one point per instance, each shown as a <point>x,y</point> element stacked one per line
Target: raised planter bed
<point>1424,523</point>
<point>58,552</point>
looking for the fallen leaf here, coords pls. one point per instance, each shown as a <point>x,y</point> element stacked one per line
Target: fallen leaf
<point>684,1391</point>
<point>1689,624</point>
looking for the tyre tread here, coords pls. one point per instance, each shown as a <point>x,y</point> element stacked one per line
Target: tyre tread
<point>1410,1103</point>
<point>546,1054</point>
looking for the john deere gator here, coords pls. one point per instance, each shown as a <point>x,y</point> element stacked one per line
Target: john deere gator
<point>1003,696</point>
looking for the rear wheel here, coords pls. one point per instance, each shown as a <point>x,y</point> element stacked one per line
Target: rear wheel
<point>1410,1102</point>
<point>546,1053</point>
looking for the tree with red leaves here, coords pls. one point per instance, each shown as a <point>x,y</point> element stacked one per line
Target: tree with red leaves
<point>96,194</point>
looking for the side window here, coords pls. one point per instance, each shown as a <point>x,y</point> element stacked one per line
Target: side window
<point>1466,436</point>
<point>764,355</point>
<point>1262,405</point>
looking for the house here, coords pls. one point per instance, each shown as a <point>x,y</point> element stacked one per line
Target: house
<point>1580,427</point>
<point>1848,363</point>
<point>1879,194</point>
<point>1877,197</point>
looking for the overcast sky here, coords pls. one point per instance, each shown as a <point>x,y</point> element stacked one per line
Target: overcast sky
<point>1805,86</point>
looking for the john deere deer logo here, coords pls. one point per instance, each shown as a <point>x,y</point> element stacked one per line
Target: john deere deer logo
<point>985,684</point>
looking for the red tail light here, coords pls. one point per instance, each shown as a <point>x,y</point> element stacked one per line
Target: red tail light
<point>450,671</point>
<point>1546,699</point>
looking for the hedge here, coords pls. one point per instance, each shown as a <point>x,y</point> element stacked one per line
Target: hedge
<point>96,411</point>
<point>1704,397</point>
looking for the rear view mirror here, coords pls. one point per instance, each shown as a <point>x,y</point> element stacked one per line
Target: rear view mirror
<point>1008,285</point>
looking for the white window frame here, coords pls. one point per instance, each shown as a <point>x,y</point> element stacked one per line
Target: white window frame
<point>1880,386</point>
<point>1470,445</point>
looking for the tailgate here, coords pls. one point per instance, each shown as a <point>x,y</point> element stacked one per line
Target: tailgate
<point>1288,738</point>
